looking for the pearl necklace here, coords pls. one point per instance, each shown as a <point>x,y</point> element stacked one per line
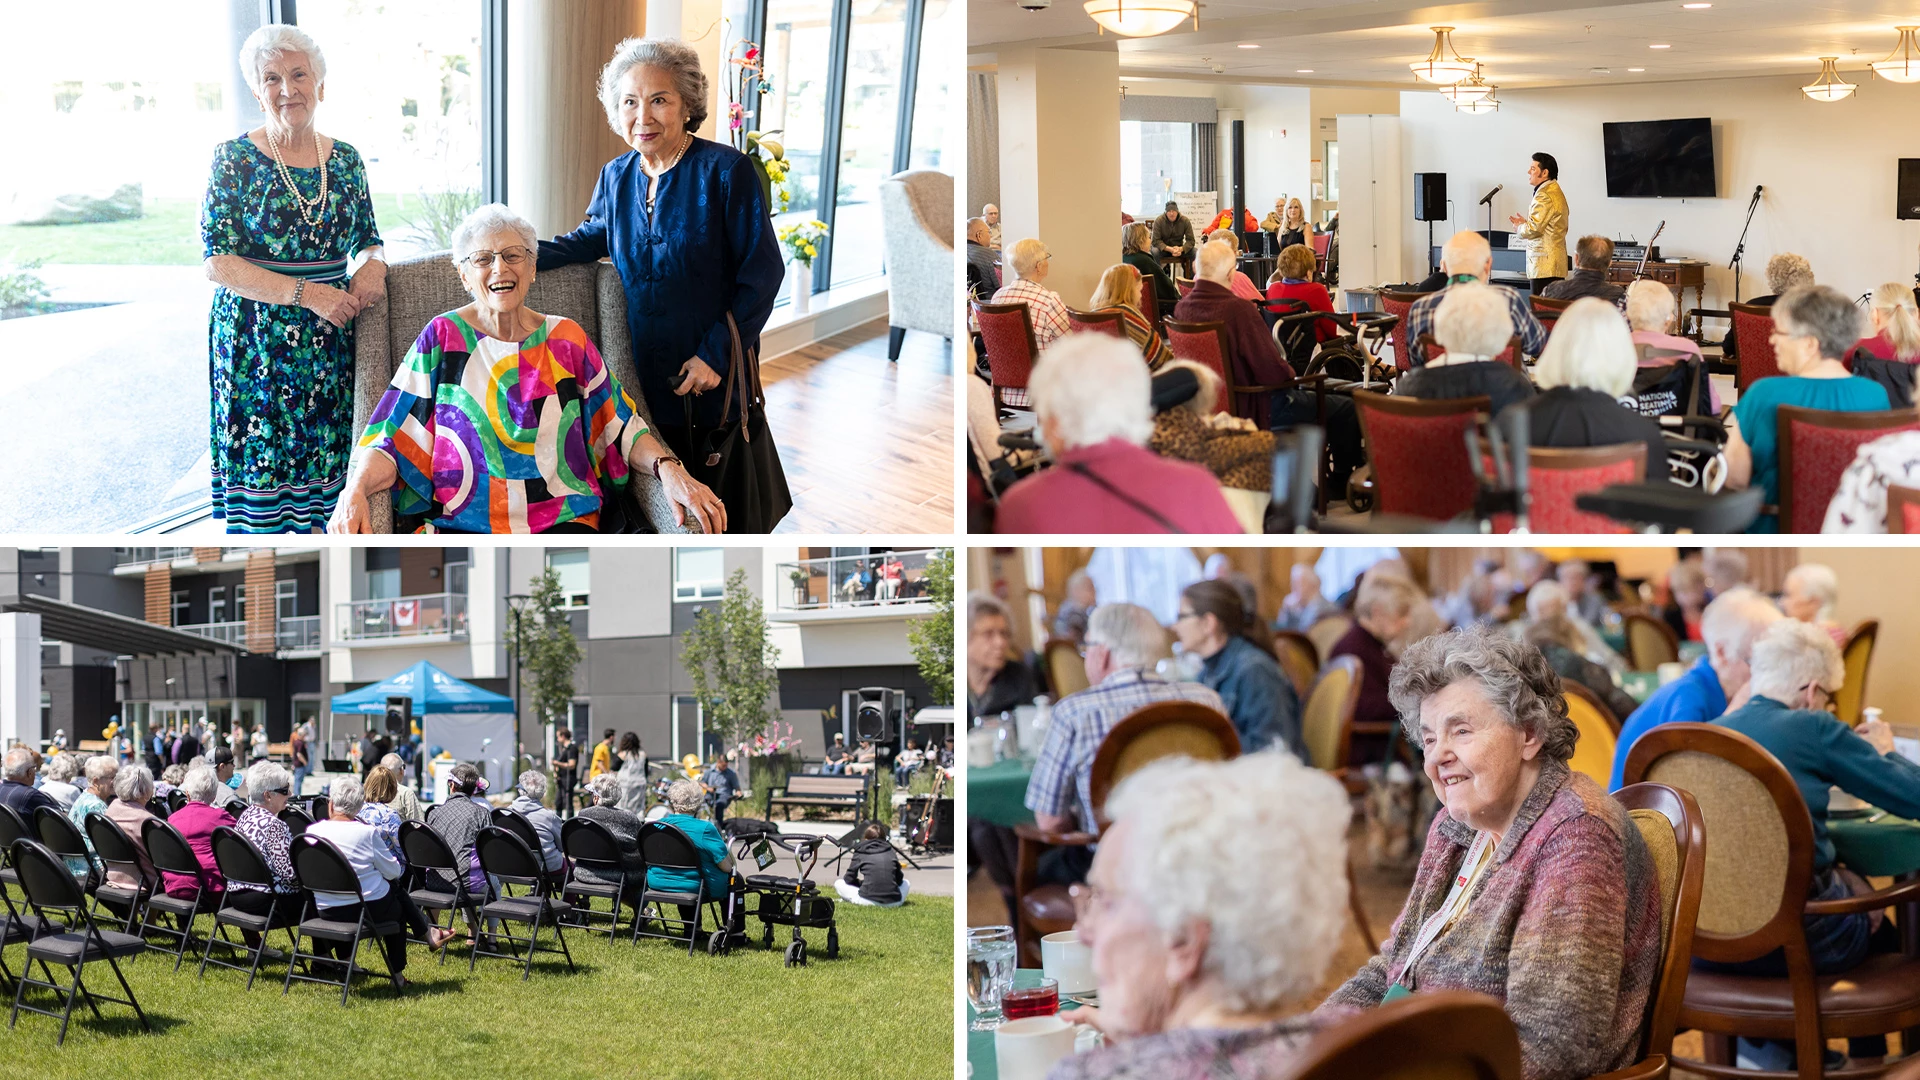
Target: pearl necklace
<point>300,201</point>
<point>653,187</point>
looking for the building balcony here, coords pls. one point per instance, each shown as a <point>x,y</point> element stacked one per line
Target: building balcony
<point>141,556</point>
<point>297,633</point>
<point>432,618</point>
<point>133,561</point>
<point>227,633</point>
<point>885,585</point>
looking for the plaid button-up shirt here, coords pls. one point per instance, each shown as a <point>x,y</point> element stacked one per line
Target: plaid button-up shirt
<point>1044,306</point>
<point>1062,777</point>
<point>1533,336</point>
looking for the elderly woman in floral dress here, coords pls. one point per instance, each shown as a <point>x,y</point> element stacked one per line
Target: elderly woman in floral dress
<point>288,230</point>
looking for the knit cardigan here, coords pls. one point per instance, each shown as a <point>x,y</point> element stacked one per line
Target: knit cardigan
<point>1563,928</point>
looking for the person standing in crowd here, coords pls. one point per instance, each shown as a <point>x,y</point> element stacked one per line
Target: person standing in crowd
<point>299,750</point>
<point>632,774</point>
<point>1238,662</point>
<point>1545,226</point>
<point>566,771</point>
<point>187,746</point>
<point>602,762</point>
<point>997,681</point>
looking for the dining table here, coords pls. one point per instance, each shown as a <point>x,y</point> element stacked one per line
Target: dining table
<point>981,1064</point>
<point>997,793</point>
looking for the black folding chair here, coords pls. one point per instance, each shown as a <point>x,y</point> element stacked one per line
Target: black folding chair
<point>295,818</point>
<point>505,856</point>
<point>591,845</point>
<point>241,864</point>
<point>116,852</point>
<point>11,829</point>
<point>319,808</point>
<point>158,808</point>
<point>428,851</point>
<point>324,872</point>
<point>665,847</point>
<point>62,837</point>
<point>51,888</point>
<point>169,853</point>
<point>517,823</point>
<point>175,800</point>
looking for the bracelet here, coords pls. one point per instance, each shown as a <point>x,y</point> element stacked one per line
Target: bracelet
<point>299,289</point>
<point>663,459</point>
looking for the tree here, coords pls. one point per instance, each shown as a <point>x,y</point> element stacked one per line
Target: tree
<point>932,639</point>
<point>728,657</point>
<point>542,636</point>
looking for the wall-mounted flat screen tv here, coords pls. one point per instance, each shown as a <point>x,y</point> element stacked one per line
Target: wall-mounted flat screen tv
<point>1660,159</point>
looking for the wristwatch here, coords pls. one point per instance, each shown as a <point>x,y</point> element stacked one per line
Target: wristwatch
<point>662,460</point>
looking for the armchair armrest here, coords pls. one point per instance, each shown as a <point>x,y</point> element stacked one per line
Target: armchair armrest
<point>1906,892</point>
<point>1655,1067</point>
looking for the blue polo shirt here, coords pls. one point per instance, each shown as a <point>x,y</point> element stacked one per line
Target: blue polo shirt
<point>1693,698</point>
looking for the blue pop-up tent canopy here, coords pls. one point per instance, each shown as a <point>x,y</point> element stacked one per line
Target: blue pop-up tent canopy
<point>433,692</point>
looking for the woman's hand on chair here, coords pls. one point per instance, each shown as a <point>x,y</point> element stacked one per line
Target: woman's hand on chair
<point>351,514</point>
<point>691,496</point>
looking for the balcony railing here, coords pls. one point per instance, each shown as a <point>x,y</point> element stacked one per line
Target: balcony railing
<point>297,632</point>
<point>227,633</point>
<point>404,616</point>
<point>854,581</point>
<point>128,555</point>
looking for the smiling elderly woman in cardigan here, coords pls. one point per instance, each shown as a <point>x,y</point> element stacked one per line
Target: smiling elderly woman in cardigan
<point>1559,915</point>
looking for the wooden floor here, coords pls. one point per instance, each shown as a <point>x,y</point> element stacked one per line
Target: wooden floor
<point>867,444</point>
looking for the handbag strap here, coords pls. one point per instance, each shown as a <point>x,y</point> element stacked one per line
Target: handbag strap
<point>743,369</point>
<point>1157,516</point>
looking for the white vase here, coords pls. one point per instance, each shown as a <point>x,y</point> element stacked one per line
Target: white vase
<point>802,288</point>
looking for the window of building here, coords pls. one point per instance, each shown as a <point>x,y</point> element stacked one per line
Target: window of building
<point>239,604</point>
<point>933,83</point>
<point>286,598</point>
<point>698,574</point>
<point>217,604</point>
<point>571,568</point>
<point>179,608</point>
<point>383,584</point>
<point>1156,163</point>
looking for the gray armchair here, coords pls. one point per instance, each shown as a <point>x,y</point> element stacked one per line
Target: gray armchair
<point>427,285</point>
<point>916,208</point>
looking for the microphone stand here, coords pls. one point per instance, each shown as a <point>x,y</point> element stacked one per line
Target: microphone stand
<point>1740,248</point>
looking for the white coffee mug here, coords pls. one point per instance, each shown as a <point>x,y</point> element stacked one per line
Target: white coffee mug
<point>1068,962</point>
<point>1026,1049</point>
<point>1670,671</point>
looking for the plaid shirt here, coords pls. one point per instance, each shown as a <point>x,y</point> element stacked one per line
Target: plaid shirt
<point>1048,311</point>
<point>1062,777</point>
<point>1533,336</point>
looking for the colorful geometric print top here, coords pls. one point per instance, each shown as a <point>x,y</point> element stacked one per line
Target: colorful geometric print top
<point>501,436</point>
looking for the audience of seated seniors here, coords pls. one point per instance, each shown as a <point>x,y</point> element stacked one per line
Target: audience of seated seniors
<point>405,801</point>
<point>1124,644</point>
<point>1559,918</point>
<point>1119,293</point>
<point>625,827</point>
<point>1796,671</point>
<point>1592,258</point>
<point>17,793</point>
<point>132,790</point>
<point>1716,682</point>
<point>1809,593</point>
<point>195,823</point>
<point>1304,603</point>
<point>1188,431</point>
<point>1551,629</point>
<point>376,868</point>
<point>268,786</point>
<point>1031,262</point>
<point>997,681</point>
<point>1091,396</point>
<point>684,799</point>
<point>1473,323</point>
<point>1651,315</point>
<point>1237,662</point>
<point>1785,272</point>
<point>1814,326</point>
<point>1205,961</point>
<point>1293,280</point>
<point>101,771</point>
<point>1891,356</point>
<point>530,802</point>
<point>1136,242</point>
<point>1584,373</point>
<point>1468,258</point>
<point>1383,616</point>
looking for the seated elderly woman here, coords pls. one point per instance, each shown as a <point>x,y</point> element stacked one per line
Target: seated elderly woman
<point>1559,918</point>
<point>1119,293</point>
<point>684,799</point>
<point>1584,371</point>
<point>1091,396</point>
<point>604,790</point>
<point>195,823</point>
<point>1809,593</point>
<point>380,787</point>
<point>1474,326</point>
<point>1651,314</point>
<point>1892,355</point>
<point>1814,327</point>
<point>377,871</point>
<point>132,789</point>
<point>1551,630</point>
<point>1238,456</point>
<point>57,779</point>
<point>169,781</point>
<point>529,801</point>
<point>101,771</point>
<point>1204,962</point>
<point>1136,243</point>
<point>501,419</point>
<point>1293,280</point>
<point>1785,272</point>
<point>267,787</point>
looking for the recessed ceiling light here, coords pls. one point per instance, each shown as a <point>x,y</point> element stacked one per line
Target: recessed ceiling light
<point>1249,46</point>
<point>1659,46</point>
<point>1636,69</point>
<point>1696,7</point>
<point>1303,71</point>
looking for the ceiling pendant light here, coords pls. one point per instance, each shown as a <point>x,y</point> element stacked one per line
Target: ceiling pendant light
<point>1903,64</point>
<point>1473,89</point>
<point>1142,18</point>
<point>1444,65</point>
<point>1478,106</point>
<point>1828,86</point>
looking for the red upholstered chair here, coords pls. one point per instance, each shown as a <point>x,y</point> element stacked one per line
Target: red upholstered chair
<point>1556,476</point>
<point>1007,330</point>
<point>1548,311</point>
<point>1903,509</point>
<point>1418,450</point>
<point>1399,305</point>
<point>1098,322</point>
<point>1753,329</point>
<point>1204,344</point>
<point>1816,446</point>
<point>1510,355</point>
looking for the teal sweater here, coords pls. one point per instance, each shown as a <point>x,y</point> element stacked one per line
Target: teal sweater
<point>713,851</point>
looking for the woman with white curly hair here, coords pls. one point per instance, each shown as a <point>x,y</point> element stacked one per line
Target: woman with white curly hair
<point>1205,960</point>
<point>1534,888</point>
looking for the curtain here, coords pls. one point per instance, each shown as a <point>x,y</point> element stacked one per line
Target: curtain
<point>1206,158</point>
<point>983,141</point>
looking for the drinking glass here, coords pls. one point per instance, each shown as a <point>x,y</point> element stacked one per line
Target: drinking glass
<point>990,963</point>
<point>1039,1000</point>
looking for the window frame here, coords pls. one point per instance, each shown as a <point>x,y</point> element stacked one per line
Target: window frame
<point>718,584</point>
<point>573,601</point>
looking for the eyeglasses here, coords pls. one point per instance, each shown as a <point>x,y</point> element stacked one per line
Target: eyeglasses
<point>483,259</point>
<point>1777,334</point>
<point>1187,614</point>
<point>1088,900</point>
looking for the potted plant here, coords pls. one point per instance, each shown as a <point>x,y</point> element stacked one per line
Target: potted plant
<point>799,578</point>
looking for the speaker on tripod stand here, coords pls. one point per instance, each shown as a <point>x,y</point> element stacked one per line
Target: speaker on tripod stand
<point>1430,204</point>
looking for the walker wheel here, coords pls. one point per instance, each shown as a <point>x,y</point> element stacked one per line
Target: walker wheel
<point>797,954</point>
<point>766,939</point>
<point>833,943</point>
<point>716,944</point>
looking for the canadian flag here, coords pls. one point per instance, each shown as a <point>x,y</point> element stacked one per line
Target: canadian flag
<point>405,612</point>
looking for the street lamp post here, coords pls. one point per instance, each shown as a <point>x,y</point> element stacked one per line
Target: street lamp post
<point>516,603</point>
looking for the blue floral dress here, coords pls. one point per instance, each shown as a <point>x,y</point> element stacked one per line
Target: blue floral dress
<point>281,429</point>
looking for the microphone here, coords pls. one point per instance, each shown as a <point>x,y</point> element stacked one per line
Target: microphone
<point>1488,197</point>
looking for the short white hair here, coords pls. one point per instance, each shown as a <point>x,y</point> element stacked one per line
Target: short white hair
<point>348,796</point>
<point>604,789</point>
<point>396,763</point>
<point>1817,580</point>
<point>1473,320</point>
<point>134,784</point>
<point>1275,911</point>
<point>1217,259</point>
<point>17,765</point>
<point>491,218</point>
<point>1026,254</point>
<point>1590,348</point>
<point>1791,655</point>
<point>1093,387</point>
<point>677,58</point>
<point>279,39</point>
<point>1466,253</point>
<point>101,767</point>
<point>1130,633</point>
<point>63,767</point>
<point>533,784</point>
<point>1724,567</point>
<point>1735,618</point>
<point>200,784</point>
<point>685,797</point>
<point>1650,307</point>
<point>1207,396</point>
<point>266,776</point>
<point>1546,600</point>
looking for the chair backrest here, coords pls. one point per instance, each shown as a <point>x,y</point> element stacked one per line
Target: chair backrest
<point>1753,330</point>
<point>1400,305</point>
<point>1007,331</point>
<point>1675,384</point>
<point>296,819</point>
<point>1669,821</point>
<point>1066,668</point>
<point>175,800</point>
<point>239,861</point>
<point>1433,1035</point>
<point>323,871</point>
<point>1205,343</point>
<point>58,832</point>
<point>1760,863</point>
<point>589,842</point>
<point>1559,475</point>
<point>320,808</point>
<point>1857,654</point>
<point>1431,350</point>
<point>158,808</point>
<point>426,849</point>
<point>1097,322</point>
<point>1326,717</point>
<point>1816,446</point>
<point>168,851</point>
<point>666,847</point>
<point>1546,308</point>
<point>1327,631</point>
<point>1599,733</point>
<point>1299,658</point>
<point>1163,729</point>
<point>1903,512</point>
<point>508,857</point>
<point>11,827</point>
<point>1418,450</point>
<point>1650,642</point>
<point>114,847</point>
<point>516,823</point>
<point>44,878</point>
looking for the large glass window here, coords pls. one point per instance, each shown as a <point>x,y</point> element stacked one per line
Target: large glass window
<point>797,45</point>
<point>942,25</point>
<point>875,47</point>
<point>1156,162</point>
<point>571,568</point>
<point>698,574</point>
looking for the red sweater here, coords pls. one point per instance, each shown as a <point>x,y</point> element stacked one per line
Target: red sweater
<point>1060,500</point>
<point>1315,296</point>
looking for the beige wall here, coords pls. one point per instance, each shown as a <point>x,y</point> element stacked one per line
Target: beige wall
<point>1878,583</point>
<point>1060,160</point>
<point>555,125</point>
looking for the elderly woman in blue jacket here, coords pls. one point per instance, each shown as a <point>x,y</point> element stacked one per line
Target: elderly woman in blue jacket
<point>1215,625</point>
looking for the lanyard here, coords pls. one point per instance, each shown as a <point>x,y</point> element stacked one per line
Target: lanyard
<point>1478,855</point>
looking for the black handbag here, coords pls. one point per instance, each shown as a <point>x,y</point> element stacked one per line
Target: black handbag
<point>738,460</point>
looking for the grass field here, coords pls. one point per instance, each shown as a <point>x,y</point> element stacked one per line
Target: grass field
<point>168,235</point>
<point>883,1009</point>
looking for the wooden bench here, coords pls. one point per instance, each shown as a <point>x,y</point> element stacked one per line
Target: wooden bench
<point>834,792</point>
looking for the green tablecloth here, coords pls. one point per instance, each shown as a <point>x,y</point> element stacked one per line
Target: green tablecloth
<point>1889,847</point>
<point>980,1043</point>
<point>997,794</point>
<point>1639,685</point>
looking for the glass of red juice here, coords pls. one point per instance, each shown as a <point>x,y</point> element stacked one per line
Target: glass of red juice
<point>1041,1000</point>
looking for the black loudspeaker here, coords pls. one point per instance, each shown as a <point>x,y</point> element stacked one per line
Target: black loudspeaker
<point>399,716</point>
<point>1909,189</point>
<point>1429,196</point>
<point>873,715</point>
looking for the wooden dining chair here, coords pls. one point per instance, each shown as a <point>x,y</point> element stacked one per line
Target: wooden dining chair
<point>1327,631</point>
<point>1441,1035</point>
<point>1650,642</point>
<point>1903,510</point>
<point>1066,668</point>
<point>1326,719</point>
<point>1857,655</point>
<point>1299,658</point>
<point>1599,732</point>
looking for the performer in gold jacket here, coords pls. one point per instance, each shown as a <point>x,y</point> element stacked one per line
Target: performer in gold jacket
<point>1545,226</point>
